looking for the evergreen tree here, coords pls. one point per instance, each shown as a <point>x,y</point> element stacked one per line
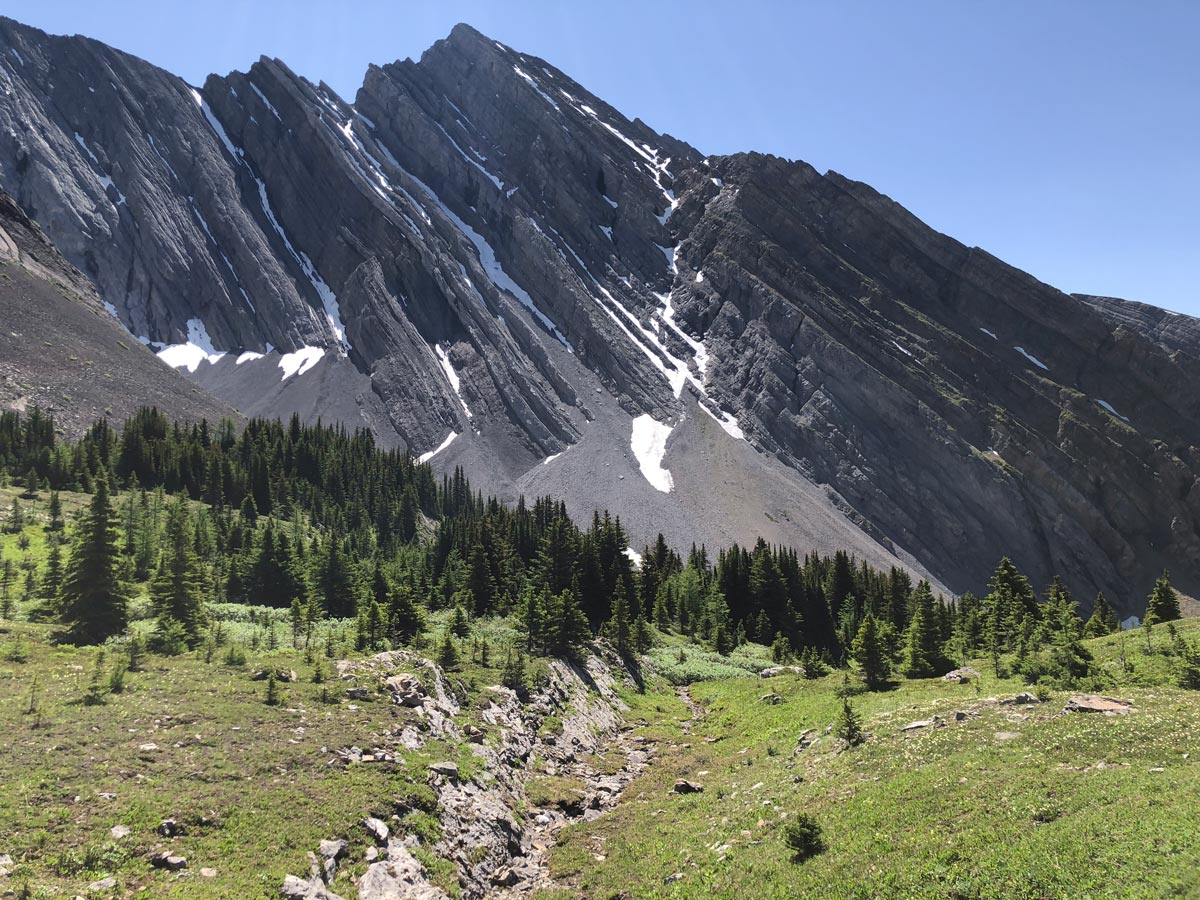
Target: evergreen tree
<point>922,655</point>
<point>460,625</point>
<point>1163,605</point>
<point>513,675</point>
<point>620,628</point>
<point>849,725</point>
<point>176,593</point>
<point>93,598</point>
<point>447,655</point>
<point>867,650</point>
<point>55,510</point>
<point>570,628</point>
<point>1103,620</point>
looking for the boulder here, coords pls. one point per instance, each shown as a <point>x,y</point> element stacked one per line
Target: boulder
<point>773,699</point>
<point>377,829</point>
<point>1094,703</point>
<point>446,769</point>
<point>961,676</point>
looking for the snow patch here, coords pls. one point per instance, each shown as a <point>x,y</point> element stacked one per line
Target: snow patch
<point>300,361</point>
<point>611,202</point>
<point>426,457</point>
<point>1033,359</point>
<point>451,376</point>
<point>634,557</point>
<point>491,265</point>
<point>552,457</point>
<point>1108,406</point>
<point>727,422</point>
<point>263,98</point>
<point>903,350</point>
<point>649,444</point>
<point>537,87</point>
<point>199,347</point>
<point>248,356</point>
<point>990,334</point>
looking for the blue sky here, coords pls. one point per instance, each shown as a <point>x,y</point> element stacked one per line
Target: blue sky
<point>1063,137</point>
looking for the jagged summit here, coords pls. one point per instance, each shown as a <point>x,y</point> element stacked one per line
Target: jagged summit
<point>480,260</point>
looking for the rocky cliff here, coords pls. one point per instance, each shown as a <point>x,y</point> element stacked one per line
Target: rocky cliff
<point>479,259</point>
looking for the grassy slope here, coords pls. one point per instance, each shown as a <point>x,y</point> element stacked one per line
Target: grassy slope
<point>252,784</point>
<point>1015,802</point>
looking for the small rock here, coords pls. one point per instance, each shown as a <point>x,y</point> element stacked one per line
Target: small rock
<point>372,854</point>
<point>169,828</point>
<point>683,786</point>
<point>148,748</point>
<point>961,676</point>
<point>773,699</point>
<point>376,829</point>
<point>333,849</point>
<point>922,723</point>
<point>118,832</point>
<point>206,872</point>
<point>168,861</point>
<point>1006,735</point>
<point>294,888</point>
<point>358,693</point>
<point>673,877</point>
<point>448,769</point>
<point>104,884</point>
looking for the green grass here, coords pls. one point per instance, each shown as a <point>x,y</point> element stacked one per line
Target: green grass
<point>253,784</point>
<point>1010,802</point>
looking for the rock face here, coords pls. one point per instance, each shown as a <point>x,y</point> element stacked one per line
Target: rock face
<point>480,260</point>
<point>60,349</point>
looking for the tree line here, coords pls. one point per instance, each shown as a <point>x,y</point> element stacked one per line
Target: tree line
<point>323,522</point>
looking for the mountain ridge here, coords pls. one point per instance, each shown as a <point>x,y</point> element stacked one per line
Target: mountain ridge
<point>481,259</point>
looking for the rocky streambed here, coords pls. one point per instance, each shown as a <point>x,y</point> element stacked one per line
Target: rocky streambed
<point>569,730</point>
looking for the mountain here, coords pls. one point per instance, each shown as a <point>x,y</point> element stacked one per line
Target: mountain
<point>480,260</point>
<point>60,350</point>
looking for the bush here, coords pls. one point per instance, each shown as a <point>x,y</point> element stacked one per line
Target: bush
<point>803,837</point>
<point>170,638</point>
<point>235,655</point>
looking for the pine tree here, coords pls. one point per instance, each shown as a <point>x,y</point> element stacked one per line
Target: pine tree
<point>55,510</point>
<point>1102,621</point>
<point>406,618</point>
<point>849,726</point>
<point>513,675</point>
<point>571,629</point>
<point>273,697</point>
<point>93,598</point>
<point>460,625</point>
<point>447,655</point>
<point>176,592</point>
<point>1163,605</point>
<point>619,628</point>
<point>867,650</point>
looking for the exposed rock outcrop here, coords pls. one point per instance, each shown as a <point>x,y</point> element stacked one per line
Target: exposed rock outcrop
<point>480,259</point>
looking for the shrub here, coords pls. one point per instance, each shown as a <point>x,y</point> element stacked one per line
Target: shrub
<point>170,638</point>
<point>803,837</point>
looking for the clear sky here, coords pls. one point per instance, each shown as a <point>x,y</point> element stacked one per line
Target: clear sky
<point>1063,136</point>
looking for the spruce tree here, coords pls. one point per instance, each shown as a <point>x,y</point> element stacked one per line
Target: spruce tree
<point>1103,620</point>
<point>177,592</point>
<point>447,655</point>
<point>571,630</point>
<point>867,650</point>
<point>1163,605</point>
<point>849,725</point>
<point>93,598</point>
<point>922,651</point>
<point>620,628</point>
<point>460,625</point>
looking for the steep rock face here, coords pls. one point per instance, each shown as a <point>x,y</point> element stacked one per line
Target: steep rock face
<point>479,259</point>
<point>60,349</point>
